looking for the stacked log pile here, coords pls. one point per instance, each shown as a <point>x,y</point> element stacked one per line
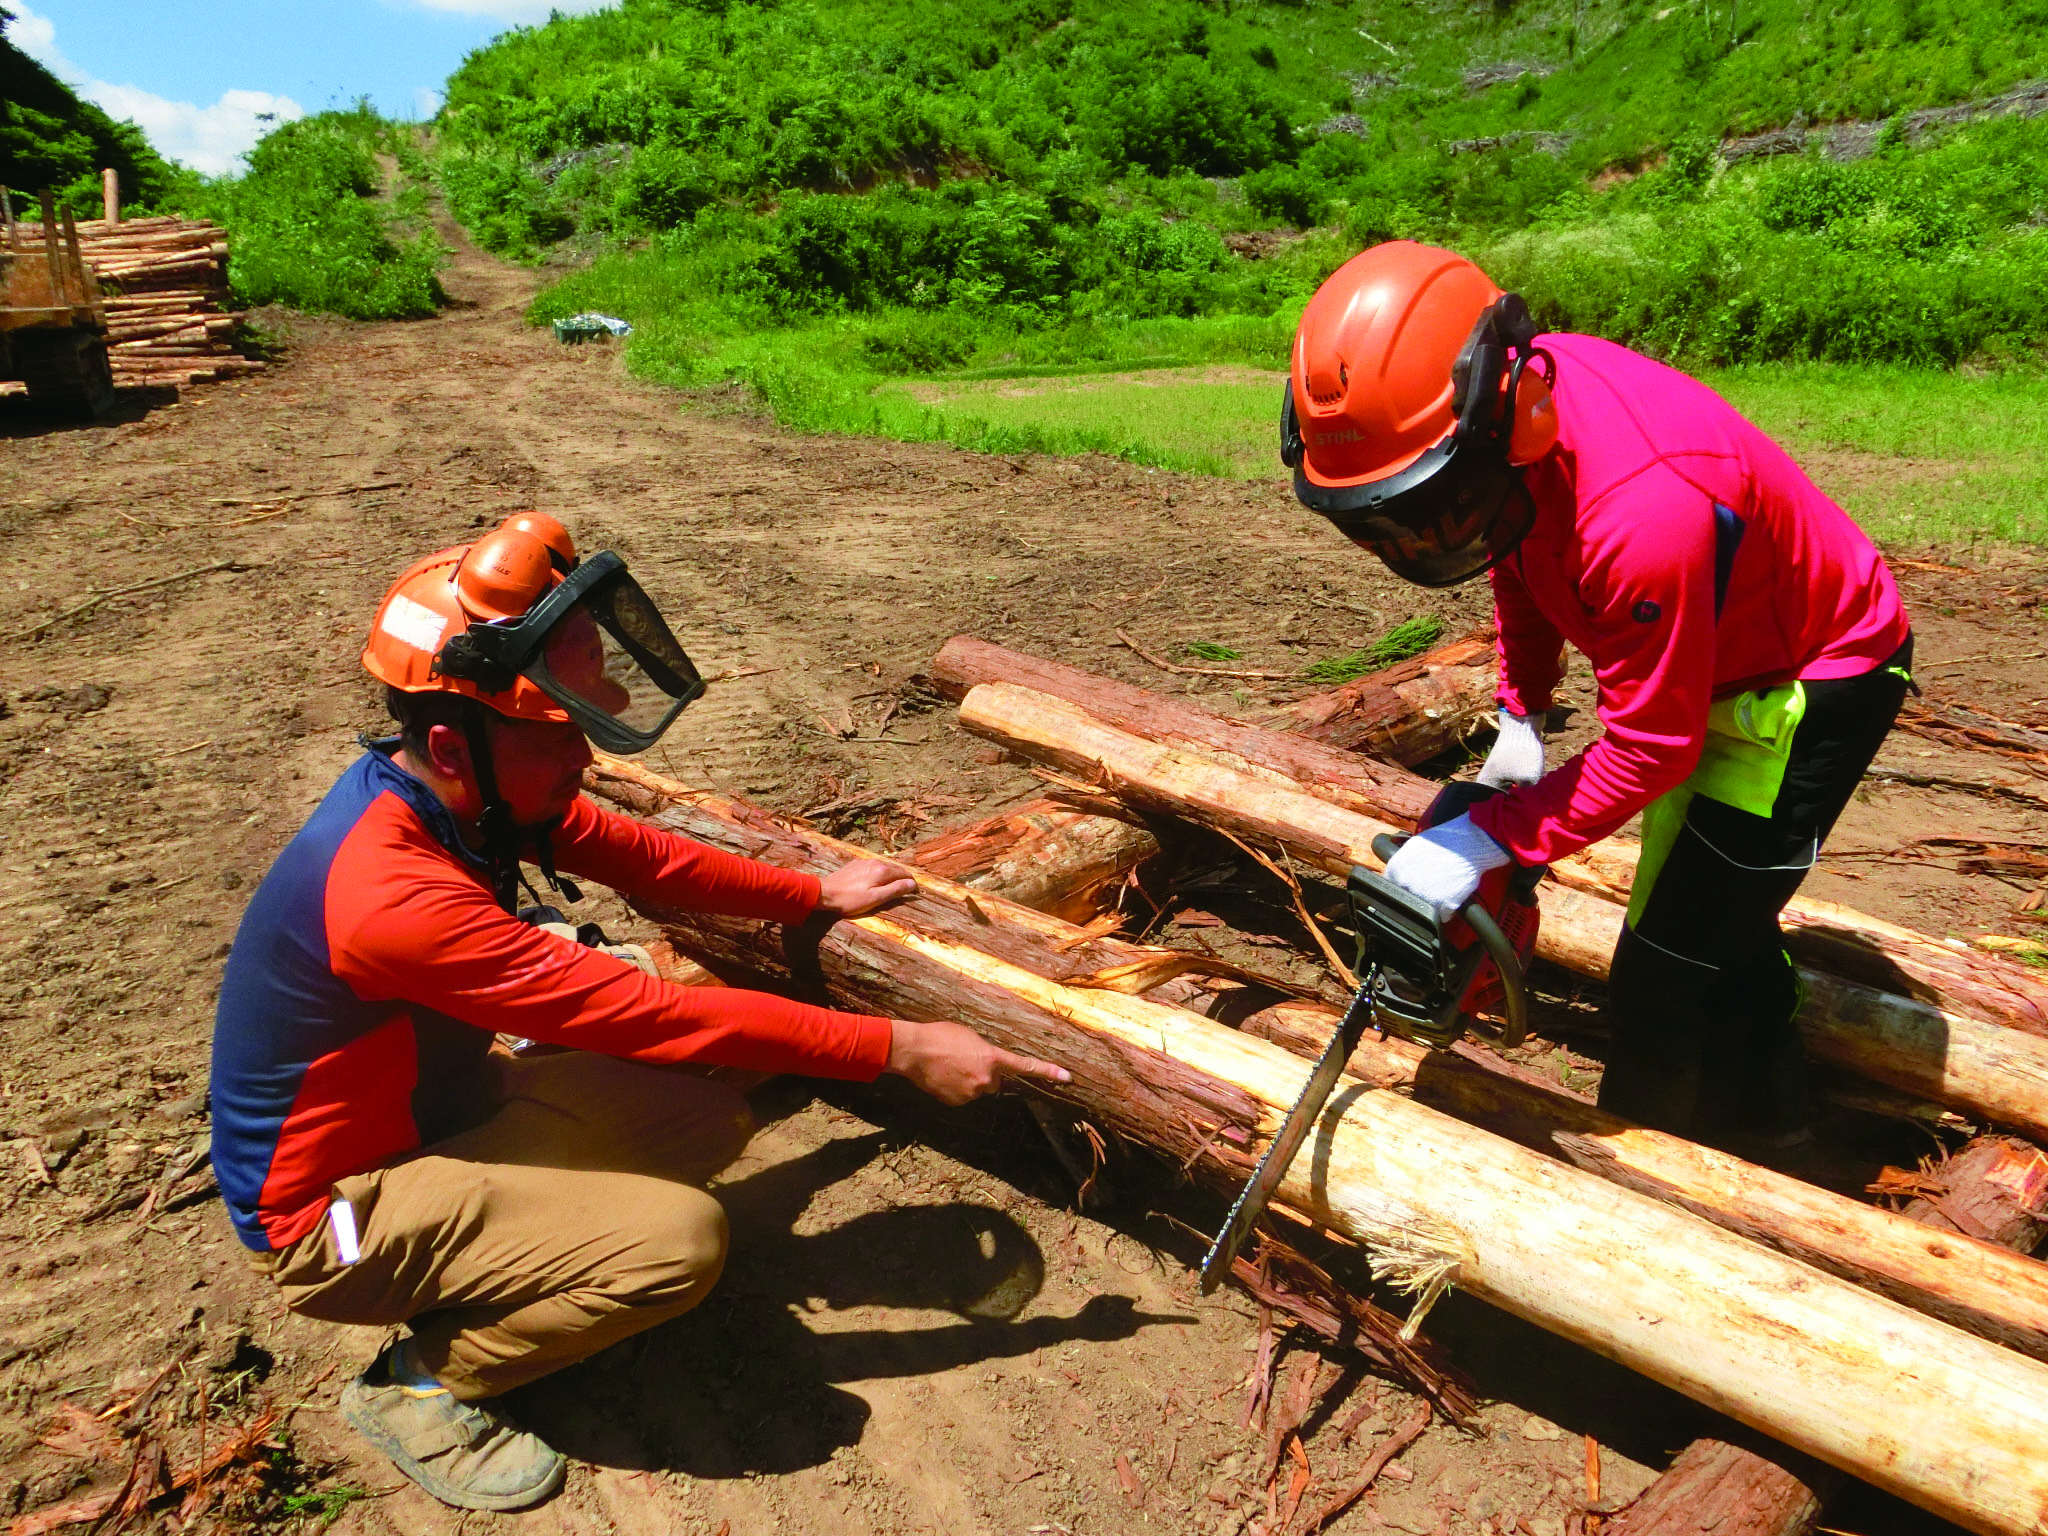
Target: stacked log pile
<point>1925,1407</point>
<point>165,282</point>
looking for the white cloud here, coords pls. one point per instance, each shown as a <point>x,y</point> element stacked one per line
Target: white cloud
<point>426,101</point>
<point>36,36</point>
<point>518,12</point>
<point>211,139</point>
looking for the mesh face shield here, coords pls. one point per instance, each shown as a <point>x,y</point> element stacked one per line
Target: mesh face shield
<point>598,646</point>
<point>1440,522</point>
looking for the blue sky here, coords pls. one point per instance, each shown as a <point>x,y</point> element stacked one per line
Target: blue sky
<point>199,75</point>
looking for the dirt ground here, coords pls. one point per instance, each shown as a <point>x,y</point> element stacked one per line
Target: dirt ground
<point>918,1330</point>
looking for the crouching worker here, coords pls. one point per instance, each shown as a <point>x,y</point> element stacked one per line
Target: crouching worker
<point>1748,641</point>
<point>515,1214</point>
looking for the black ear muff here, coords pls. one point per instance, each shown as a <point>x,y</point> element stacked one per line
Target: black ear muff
<point>1513,323</point>
<point>1480,382</point>
<point>1291,446</point>
<point>1484,364</point>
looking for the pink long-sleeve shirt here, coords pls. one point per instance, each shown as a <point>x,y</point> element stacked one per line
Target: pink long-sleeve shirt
<point>1688,558</point>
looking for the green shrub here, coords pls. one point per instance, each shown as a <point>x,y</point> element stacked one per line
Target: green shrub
<point>304,230</point>
<point>919,344</point>
<point>1287,193</point>
<point>661,187</point>
<point>501,201</point>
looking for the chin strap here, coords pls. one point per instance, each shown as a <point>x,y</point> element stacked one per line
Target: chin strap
<point>503,838</point>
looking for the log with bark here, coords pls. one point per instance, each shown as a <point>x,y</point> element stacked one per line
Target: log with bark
<point>1974,1285</point>
<point>1067,862</point>
<point>1940,1417</point>
<point>1717,1489</point>
<point>1994,1189</point>
<point>1853,945</point>
<point>1406,713</point>
<point>1995,1072</point>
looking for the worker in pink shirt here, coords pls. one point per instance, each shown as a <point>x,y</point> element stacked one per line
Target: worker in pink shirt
<point>1748,641</point>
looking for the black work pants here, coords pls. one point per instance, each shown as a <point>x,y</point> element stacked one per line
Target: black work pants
<point>1702,995</point>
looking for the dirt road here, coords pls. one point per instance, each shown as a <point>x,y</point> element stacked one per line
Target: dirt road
<point>916,1332</point>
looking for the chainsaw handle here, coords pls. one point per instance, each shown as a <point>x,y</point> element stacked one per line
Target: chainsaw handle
<point>1514,990</point>
<point>1515,1028</point>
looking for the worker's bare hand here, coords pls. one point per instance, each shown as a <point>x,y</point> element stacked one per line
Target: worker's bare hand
<point>953,1064</point>
<point>861,886</point>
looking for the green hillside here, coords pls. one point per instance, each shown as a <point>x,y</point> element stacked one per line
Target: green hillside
<point>814,198</point>
<point>50,141</point>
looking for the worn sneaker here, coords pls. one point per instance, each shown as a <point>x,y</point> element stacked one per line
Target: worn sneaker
<point>470,1455</point>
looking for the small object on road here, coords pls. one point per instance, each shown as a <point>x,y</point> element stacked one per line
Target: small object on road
<point>588,326</point>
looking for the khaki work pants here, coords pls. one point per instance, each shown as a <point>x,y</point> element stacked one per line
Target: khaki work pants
<point>567,1220</point>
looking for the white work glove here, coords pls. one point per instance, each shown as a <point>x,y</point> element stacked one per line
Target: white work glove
<point>1444,865</point>
<point>1517,755</point>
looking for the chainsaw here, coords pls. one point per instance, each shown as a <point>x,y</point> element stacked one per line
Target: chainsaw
<point>1422,976</point>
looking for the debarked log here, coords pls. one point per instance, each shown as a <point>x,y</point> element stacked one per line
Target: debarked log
<point>965,663</point>
<point>1988,1070</point>
<point>1944,1419</point>
<point>1821,935</point>
<point>1983,1287</point>
<point>1714,1489</point>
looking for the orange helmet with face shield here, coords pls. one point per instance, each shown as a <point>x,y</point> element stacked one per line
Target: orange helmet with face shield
<point>1410,407</point>
<point>499,577</point>
<point>517,623</point>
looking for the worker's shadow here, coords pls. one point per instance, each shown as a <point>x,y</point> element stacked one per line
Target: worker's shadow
<point>744,1384</point>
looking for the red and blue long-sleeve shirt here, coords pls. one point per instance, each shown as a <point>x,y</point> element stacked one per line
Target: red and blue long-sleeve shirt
<point>374,967</point>
<point>1688,558</point>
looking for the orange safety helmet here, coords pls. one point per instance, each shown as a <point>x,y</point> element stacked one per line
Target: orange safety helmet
<point>516,622</point>
<point>499,577</point>
<point>1410,408</point>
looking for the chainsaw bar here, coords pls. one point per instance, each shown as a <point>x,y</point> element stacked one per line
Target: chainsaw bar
<point>1265,1179</point>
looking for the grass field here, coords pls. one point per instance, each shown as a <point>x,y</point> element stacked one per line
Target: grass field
<point>1916,456</point>
<point>1216,420</point>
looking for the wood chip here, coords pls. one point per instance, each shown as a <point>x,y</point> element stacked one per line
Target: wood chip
<point>1398,1441</point>
<point>1134,1491</point>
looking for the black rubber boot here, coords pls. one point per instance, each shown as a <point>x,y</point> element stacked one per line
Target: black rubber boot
<point>1779,1105</point>
<point>1657,1057</point>
<point>1756,1089</point>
